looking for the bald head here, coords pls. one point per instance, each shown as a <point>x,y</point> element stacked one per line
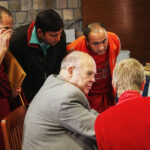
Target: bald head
<point>79,69</point>
<point>93,27</point>
<point>75,58</point>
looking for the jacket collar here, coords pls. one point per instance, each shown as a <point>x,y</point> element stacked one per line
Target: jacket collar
<point>29,35</point>
<point>128,95</point>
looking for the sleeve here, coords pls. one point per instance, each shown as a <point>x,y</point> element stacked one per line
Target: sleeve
<point>76,117</point>
<point>118,43</point>
<point>5,90</point>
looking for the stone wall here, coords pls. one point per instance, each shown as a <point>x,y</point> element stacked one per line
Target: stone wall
<point>25,11</point>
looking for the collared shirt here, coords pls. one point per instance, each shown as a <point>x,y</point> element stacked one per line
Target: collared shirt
<point>34,40</point>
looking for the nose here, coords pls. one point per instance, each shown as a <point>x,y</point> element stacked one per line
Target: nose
<point>93,78</point>
<point>58,37</point>
<point>101,46</point>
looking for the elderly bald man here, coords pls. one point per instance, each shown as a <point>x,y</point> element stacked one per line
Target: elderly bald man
<point>59,117</point>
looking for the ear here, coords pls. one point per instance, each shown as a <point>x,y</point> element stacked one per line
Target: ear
<point>70,70</point>
<point>143,84</point>
<point>40,34</point>
<point>113,85</point>
<point>87,42</point>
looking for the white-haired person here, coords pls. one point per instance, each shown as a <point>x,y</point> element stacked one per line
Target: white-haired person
<point>126,126</point>
<point>59,116</point>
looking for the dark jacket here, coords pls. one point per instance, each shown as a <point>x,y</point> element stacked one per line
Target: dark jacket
<point>32,59</point>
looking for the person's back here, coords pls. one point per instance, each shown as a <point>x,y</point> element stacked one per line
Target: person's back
<point>126,125</point>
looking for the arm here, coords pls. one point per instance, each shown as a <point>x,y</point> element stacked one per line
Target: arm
<point>76,117</point>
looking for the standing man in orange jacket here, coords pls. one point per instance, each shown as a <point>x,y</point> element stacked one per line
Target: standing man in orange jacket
<point>104,47</point>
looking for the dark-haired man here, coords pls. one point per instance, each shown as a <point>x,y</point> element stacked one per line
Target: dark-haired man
<point>104,47</point>
<point>39,48</point>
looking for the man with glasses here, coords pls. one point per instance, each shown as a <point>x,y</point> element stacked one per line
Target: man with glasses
<point>104,47</point>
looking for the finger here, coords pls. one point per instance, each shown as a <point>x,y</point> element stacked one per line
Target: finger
<point>7,32</point>
<point>2,30</point>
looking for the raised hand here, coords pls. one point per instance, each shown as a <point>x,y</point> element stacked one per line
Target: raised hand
<point>5,35</point>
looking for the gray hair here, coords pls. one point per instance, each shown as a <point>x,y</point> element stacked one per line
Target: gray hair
<point>128,75</point>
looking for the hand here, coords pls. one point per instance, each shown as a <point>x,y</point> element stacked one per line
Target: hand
<point>5,35</point>
<point>15,92</point>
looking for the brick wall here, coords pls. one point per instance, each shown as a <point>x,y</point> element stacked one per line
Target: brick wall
<point>25,11</point>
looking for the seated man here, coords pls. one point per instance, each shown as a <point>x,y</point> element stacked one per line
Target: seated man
<point>59,117</point>
<point>126,126</point>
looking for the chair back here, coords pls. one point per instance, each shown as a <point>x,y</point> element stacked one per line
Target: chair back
<point>12,127</point>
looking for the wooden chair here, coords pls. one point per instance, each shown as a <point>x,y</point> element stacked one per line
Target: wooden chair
<point>12,127</point>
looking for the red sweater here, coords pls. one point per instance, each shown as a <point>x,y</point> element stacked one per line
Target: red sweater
<point>101,95</point>
<point>125,126</point>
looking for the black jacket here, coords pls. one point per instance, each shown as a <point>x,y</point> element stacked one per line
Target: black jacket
<point>34,62</point>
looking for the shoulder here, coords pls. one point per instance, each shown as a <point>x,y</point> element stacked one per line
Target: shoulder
<point>56,82</point>
<point>114,42</point>
<point>80,39</point>
<point>77,44</point>
<point>61,91</point>
<point>20,34</point>
<point>113,36</point>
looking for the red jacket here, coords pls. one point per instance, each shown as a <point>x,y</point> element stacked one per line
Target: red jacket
<point>102,99</point>
<point>125,126</point>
